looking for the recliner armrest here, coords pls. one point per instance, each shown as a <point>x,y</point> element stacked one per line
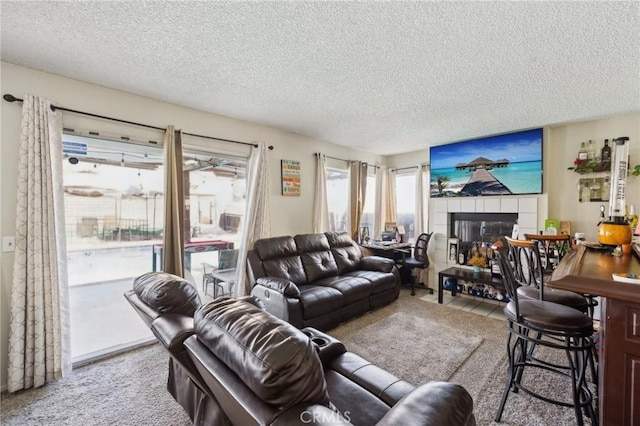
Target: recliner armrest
<point>328,347</point>
<point>172,330</point>
<point>377,263</point>
<point>434,404</point>
<point>282,286</point>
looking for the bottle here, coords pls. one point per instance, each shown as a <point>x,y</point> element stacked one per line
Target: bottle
<point>585,193</point>
<point>605,154</point>
<point>606,189</point>
<point>596,193</point>
<point>582,153</point>
<point>591,152</point>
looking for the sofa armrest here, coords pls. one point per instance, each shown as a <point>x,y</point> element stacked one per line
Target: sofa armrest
<point>282,286</point>
<point>172,330</point>
<point>434,404</point>
<point>377,263</point>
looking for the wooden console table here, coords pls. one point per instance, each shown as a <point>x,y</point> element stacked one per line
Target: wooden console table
<point>467,275</point>
<point>588,271</point>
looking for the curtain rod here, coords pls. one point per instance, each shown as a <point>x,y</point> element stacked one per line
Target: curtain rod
<point>411,167</point>
<point>375,166</point>
<point>10,98</point>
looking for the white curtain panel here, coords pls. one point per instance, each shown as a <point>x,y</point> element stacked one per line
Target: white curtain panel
<point>257,222</point>
<point>39,339</point>
<point>380,202</point>
<point>320,204</point>
<point>419,204</point>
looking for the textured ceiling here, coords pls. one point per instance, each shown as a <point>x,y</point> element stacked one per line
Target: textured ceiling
<point>385,77</point>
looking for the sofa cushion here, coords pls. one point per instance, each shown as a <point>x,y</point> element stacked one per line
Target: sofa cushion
<point>345,251</point>
<point>274,359</point>
<point>280,258</point>
<point>353,289</point>
<point>318,300</point>
<point>317,260</point>
<point>167,293</point>
<point>380,281</point>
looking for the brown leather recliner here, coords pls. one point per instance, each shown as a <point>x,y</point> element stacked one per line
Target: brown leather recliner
<point>319,280</point>
<point>166,303</point>
<point>262,370</point>
<point>241,365</point>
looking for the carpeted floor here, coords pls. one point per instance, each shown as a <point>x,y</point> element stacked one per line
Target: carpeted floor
<point>411,338</point>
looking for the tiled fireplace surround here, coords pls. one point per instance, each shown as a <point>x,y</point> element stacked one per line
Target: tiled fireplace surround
<point>531,210</point>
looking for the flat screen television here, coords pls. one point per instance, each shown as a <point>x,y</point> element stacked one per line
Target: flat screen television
<point>509,164</point>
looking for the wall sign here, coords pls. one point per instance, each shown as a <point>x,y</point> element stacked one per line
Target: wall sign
<point>290,177</point>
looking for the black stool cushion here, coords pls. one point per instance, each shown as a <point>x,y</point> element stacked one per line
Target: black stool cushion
<point>550,316</point>
<point>563,297</point>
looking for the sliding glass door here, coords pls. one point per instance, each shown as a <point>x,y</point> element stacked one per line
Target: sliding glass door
<point>114,216</point>
<point>114,205</point>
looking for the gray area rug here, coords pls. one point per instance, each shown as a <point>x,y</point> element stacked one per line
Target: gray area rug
<point>130,389</point>
<point>434,351</point>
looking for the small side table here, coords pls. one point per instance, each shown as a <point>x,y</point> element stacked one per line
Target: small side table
<point>217,278</point>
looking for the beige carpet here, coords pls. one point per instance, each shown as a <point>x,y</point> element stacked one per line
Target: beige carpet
<point>130,389</point>
<point>435,351</point>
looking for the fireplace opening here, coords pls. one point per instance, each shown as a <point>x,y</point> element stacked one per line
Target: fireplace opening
<point>481,227</point>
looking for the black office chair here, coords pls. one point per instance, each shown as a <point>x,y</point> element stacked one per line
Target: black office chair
<point>420,260</point>
<point>538,322</point>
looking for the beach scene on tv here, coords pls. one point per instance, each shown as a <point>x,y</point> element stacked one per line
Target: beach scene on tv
<point>496,165</point>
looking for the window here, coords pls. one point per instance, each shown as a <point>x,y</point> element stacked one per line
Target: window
<point>406,201</point>
<point>338,198</point>
<point>368,213</point>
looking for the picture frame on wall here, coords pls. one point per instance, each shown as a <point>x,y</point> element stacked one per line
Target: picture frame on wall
<point>290,170</point>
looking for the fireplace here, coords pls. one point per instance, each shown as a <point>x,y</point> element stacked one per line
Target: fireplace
<point>481,227</point>
<point>472,234</point>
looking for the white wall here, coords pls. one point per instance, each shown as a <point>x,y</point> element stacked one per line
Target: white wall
<point>289,215</point>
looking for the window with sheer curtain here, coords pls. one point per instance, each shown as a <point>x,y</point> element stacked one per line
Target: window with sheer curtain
<point>338,198</point>
<point>406,201</point>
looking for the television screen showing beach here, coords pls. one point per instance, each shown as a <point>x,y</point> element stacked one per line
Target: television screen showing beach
<point>496,165</point>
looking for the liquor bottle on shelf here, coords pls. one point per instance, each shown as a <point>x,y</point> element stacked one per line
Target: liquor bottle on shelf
<point>605,154</point>
<point>596,191</point>
<point>585,193</point>
<point>582,153</point>
<point>591,152</point>
<point>606,188</point>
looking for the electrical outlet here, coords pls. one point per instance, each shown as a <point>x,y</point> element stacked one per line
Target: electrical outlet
<point>8,243</point>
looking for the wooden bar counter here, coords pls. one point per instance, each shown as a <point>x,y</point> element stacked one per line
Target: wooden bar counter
<point>588,271</point>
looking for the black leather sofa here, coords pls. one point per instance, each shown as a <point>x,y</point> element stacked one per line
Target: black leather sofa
<point>319,280</point>
<point>234,363</point>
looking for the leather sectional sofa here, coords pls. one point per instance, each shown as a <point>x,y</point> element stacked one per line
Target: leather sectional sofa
<point>231,362</point>
<point>319,280</point>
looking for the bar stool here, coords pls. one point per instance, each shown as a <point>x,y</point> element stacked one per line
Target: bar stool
<point>538,322</point>
<point>553,248</point>
<point>532,283</point>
